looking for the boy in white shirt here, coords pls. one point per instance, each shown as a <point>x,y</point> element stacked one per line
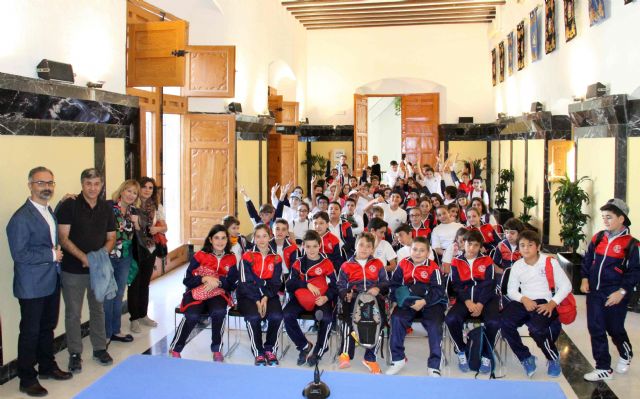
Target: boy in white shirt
<point>393,214</point>
<point>534,304</point>
<point>444,234</point>
<point>478,191</point>
<point>392,175</point>
<point>382,249</point>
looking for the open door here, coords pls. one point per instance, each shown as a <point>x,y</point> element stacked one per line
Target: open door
<point>420,120</point>
<point>211,71</point>
<point>276,105</point>
<point>155,54</point>
<point>208,173</point>
<point>282,158</point>
<point>360,135</point>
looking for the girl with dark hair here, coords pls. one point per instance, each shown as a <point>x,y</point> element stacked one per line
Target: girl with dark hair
<point>152,220</point>
<point>210,278</point>
<point>489,234</point>
<point>485,216</point>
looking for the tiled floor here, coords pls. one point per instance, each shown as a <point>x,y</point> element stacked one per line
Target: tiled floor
<point>166,293</point>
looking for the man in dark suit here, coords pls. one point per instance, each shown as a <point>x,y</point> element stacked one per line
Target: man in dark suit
<point>32,235</point>
<point>375,168</point>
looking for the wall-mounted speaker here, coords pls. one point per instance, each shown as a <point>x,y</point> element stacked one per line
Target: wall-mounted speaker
<point>52,70</point>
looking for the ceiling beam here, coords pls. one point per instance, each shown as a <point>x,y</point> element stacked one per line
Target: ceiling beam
<point>388,4</point>
<point>444,22</point>
<point>401,20</point>
<point>300,2</point>
<point>488,11</point>
<point>468,5</point>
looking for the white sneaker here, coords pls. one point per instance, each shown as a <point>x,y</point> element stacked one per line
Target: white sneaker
<point>135,326</point>
<point>433,373</point>
<point>148,322</point>
<point>396,367</point>
<point>623,365</point>
<point>599,375</point>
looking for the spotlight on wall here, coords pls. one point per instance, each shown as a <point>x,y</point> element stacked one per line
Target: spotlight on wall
<point>596,90</point>
<point>96,85</point>
<point>537,107</point>
<point>234,108</point>
<point>52,70</point>
<point>465,119</point>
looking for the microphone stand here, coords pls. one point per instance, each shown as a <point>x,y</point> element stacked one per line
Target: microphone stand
<point>316,389</point>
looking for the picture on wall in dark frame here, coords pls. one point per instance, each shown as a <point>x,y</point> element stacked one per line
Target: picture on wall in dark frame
<point>596,12</point>
<point>550,26</point>
<point>534,34</point>
<point>570,30</point>
<point>501,60</point>
<point>510,53</point>
<point>520,45</point>
<point>493,67</point>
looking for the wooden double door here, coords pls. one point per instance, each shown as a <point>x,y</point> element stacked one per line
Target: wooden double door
<point>420,120</point>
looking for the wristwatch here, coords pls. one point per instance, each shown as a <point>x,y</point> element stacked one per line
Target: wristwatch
<point>623,291</point>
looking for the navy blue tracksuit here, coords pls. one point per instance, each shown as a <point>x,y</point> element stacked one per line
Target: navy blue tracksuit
<point>425,281</point>
<point>604,266</point>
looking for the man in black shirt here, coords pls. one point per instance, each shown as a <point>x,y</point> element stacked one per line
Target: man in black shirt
<point>85,224</point>
<point>375,168</point>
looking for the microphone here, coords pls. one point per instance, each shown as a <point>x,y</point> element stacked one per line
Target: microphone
<point>317,389</point>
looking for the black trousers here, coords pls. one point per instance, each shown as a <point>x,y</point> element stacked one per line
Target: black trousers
<point>38,319</point>
<point>216,308</point>
<point>138,292</point>
<point>249,310</point>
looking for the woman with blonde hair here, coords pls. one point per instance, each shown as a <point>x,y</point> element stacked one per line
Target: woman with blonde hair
<point>123,201</point>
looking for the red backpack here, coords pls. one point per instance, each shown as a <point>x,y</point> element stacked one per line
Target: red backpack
<point>567,309</point>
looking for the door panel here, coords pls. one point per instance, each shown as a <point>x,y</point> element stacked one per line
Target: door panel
<point>208,173</point>
<point>149,54</point>
<point>282,159</point>
<point>290,113</point>
<point>276,107</point>
<point>360,133</point>
<point>420,120</point>
<point>210,71</point>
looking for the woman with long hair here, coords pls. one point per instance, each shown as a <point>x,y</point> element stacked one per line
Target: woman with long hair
<point>151,221</point>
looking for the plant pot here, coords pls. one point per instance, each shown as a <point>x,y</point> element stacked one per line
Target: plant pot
<point>502,215</point>
<point>571,263</point>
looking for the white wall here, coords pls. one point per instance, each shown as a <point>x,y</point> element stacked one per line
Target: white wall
<point>385,130</point>
<point>90,35</point>
<point>605,53</point>
<point>263,32</point>
<point>453,57</point>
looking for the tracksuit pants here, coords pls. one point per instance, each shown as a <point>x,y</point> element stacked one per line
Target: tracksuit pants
<point>544,330</point>
<point>291,313</point>
<point>348,344</point>
<point>431,319</point>
<point>216,308</point>
<point>459,313</point>
<point>603,320</point>
<point>249,311</point>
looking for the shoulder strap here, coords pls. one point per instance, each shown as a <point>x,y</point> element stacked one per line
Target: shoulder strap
<point>548,270</point>
<point>599,238</point>
<point>632,243</point>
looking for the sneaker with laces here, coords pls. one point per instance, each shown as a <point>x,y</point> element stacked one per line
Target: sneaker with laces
<point>218,357</point>
<point>623,365</point>
<point>553,368</point>
<point>149,322</point>
<point>463,364</point>
<point>433,372</point>
<point>485,365</point>
<point>260,361</point>
<point>529,365</point>
<point>175,354</point>
<point>344,362</point>
<point>272,359</point>
<point>396,367</point>
<point>304,353</point>
<point>373,367</point>
<point>75,363</point>
<point>599,375</point>
<point>102,357</point>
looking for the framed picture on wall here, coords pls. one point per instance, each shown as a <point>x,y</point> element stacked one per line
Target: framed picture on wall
<point>520,45</point>
<point>534,34</point>
<point>501,60</point>
<point>570,30</point>
<point>493,67</point>
<point>596,11</point>
<point>510,53</point>
<point>550,26</point>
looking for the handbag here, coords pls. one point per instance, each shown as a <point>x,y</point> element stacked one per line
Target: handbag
<point>160,239</point>
<point>567,309</point>
<point>200,293</point>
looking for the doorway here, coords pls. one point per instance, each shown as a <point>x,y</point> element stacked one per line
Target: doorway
<point>384,123</point>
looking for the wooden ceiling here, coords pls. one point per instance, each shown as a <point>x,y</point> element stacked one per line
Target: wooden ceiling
<point>342,14</point>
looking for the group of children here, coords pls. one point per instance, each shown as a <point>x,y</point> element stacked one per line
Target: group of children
<point>413,254</point>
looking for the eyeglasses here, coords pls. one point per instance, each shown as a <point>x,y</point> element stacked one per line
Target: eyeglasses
<point>41,183</point>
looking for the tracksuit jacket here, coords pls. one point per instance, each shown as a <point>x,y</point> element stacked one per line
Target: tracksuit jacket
<point>423,280</point>
<point>259,275</point>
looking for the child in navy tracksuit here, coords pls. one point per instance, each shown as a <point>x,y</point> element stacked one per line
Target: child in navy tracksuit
<point>505,255</point>
<point>260,279</point>
<point>534,304</point>
<point>610,270</point>
<point>489,235</point>
<point>473,281</point>
<point>361,273</point>
<point>312,288</point>
<point>211,269</point>
<point>330,245</point>
<point>417,287</point>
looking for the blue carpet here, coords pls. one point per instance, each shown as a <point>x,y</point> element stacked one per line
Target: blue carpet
<point>162,377</point>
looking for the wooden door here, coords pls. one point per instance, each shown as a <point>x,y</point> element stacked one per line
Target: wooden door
<point>208,173</point>
<point>420,120</point>
<point>290,113</point>
<point>275,107</point>
<point>211,71</point>
<point>282,158</point>
<point>360,133</point>
<point>151,57</point>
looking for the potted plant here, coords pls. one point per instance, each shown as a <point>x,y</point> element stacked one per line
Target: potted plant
<point>528,203</point>
<point>570,198</point>
<point>318,164</point>
<point>505,178</point>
